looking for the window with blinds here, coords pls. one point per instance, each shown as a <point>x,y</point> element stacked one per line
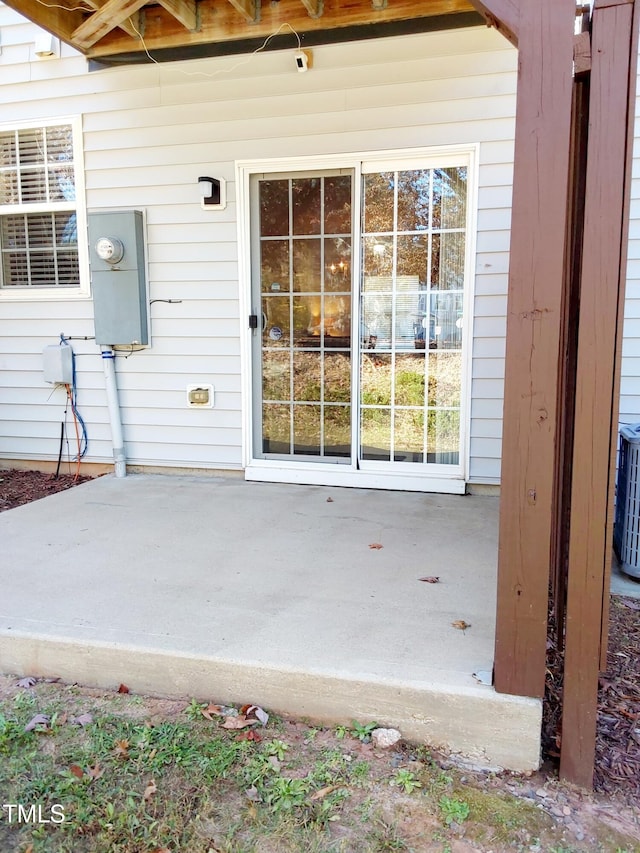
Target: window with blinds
<point>38,215</point>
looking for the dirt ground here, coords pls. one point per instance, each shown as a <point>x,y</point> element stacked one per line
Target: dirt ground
<point>582,818</point>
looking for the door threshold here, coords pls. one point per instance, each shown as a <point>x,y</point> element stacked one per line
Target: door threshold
<point>350,478</point>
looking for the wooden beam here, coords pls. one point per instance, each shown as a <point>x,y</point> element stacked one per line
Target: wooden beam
<point>612,102</point>
<point>105,19</point>
<point>534,324</point>
<point>247,8</point>
<point>183,11</point>
<point>132,25</point>
<point>504,15</point>
<point>54,18</point>
<point>220,23</point>
<point>313,7</point>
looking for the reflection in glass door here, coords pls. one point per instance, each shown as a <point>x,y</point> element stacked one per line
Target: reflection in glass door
<point>304,323</point>
<point>412,284</point>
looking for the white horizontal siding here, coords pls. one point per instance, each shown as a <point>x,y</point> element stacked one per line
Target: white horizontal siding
<point>150,130</point>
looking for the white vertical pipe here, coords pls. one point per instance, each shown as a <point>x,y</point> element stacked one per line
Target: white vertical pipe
<point>120,462</point>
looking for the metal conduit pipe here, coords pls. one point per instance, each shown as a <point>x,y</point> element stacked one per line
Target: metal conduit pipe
<point>120,462</point>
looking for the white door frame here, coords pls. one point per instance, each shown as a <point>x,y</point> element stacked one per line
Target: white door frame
<point>384,475</point>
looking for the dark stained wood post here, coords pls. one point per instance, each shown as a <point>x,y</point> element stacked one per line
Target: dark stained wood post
<point>545,34</point>
<point>611,111</point>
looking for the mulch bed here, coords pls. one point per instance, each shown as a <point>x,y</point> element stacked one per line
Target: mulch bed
<point>617,765</point>
<point>21,487</point>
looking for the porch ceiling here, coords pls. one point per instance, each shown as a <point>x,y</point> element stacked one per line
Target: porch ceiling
<point>128,28</point>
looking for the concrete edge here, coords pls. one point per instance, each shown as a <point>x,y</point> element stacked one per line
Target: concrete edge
<point>488,729</point>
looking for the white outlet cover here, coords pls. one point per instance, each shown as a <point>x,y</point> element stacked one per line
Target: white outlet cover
<point>200,396</point>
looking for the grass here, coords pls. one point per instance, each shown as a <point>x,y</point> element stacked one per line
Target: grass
<point>147,776</point>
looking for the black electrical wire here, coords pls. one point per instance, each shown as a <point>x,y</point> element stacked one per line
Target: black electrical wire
<point>73,396</point>
<point>56,475</point>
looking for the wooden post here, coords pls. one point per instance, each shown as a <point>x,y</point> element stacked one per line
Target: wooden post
<point>612,107</point>
<point>534,323</point>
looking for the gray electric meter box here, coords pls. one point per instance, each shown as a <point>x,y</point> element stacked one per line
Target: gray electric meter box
<point>118,277</point>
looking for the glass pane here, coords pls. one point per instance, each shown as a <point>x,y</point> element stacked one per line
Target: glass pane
<point>337,377</point>
<point>378,202</point>
<point>337,264</point>
<point>447,319</point>
<point>66,225</point>
<point>443,437</point>
<point>375,380</point>
<point>306,376</point>
<point>8,148</point>
<point>409,380</point>
<point>447,261</point>
<point>375,434</point>
<point>306,205</point>
<point>307,321</point>
<point>376,321</point>
<point>412,263</point>
<point>274,208</point>
<point>68,269</point>
<point>33,185</point>
<point>276,429</point>
<point>62,184</point>
<point>413,200</point>
<point>306,430</point>
<point>445,378</point>
<point>59,143</point>
<point>15,269</point>
<point>276,372</point>
<point>274,266</point>
<point>337,321</point>
<point>408,436</point>
<point>337,431</point>
<point>450,197</point>
<point>9,187</point>
<point>337,205</point>
<point>307,266</point>
<point>31,145</point>
<point>13,231</point>
<point>275,321</point>
<point>377,266</point>
<point>410,312</point>
<point>40,230</point>
<point>43,269</point>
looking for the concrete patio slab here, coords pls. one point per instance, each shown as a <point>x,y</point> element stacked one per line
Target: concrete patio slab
<point>233,591</point>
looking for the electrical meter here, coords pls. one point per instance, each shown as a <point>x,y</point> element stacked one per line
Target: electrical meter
<point>109,249</point>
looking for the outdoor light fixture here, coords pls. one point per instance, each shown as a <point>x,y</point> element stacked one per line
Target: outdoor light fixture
<point>46,46</point>
<point>213,193</point>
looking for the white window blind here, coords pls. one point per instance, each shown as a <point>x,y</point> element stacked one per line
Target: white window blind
<point>38,216</point>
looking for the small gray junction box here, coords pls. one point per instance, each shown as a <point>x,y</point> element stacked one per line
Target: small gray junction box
<point>118,278</point>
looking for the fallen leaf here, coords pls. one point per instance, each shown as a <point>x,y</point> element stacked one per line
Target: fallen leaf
<point>121,748</point>
<point>239,722</point>
<point>212,709</point>
<point>376,546</point>
<point>329,500</point>
<point>28,848</point>
<point>77,771</point>
<point>631,603</point>
<point>250,735</point>
<point>82,720</point>
<point>26,682</point>
<point>150,790</point>
<point>38,720</point>
<point>95,772</point>
<point>251,711</point>
<point>322,793</point>
<point>123,688</point>
<point>461,624</point>
<point>430,580</point>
